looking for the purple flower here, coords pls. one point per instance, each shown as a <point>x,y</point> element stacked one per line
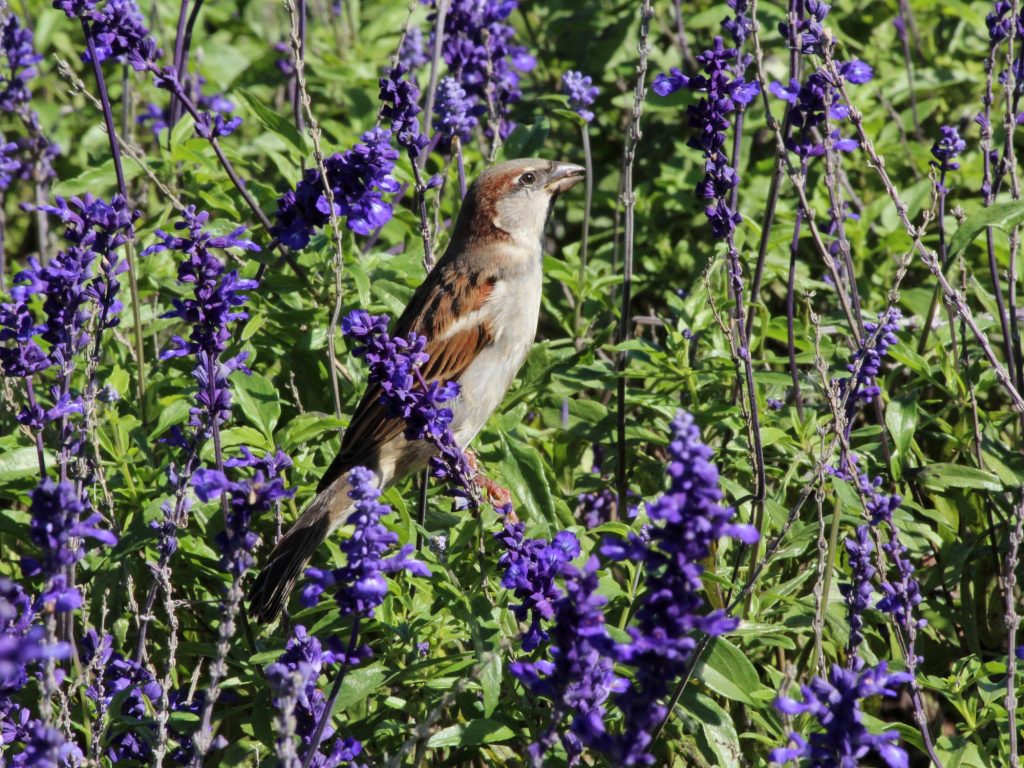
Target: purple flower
<point>581,92</point>
<point>213,307</point>
<point>412,52</point>
<point>19,60</point>
<point>359,179</point>
<point>479,48</point>
<point>359,585</point>
<point>117,32</point>
<point>671,610</point>
<point>580,677</point>
<point>61,519</point>
<point>948,146</point>
<point>843,741</point>
<point>866,362</point>
<point>294,677</point>
<point>725,92</point>
<point>741,25</point>
<point>247,499</point>
<point>401,107</point>
<point>901,595</point>
<point>809,31</point>
<point>531,568</point>
<point>395,366</point>
<point>456,115</point>
<point>21,642</point>
<point>858,592</point>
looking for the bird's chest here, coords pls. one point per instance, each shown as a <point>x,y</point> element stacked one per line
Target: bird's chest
<point>514,308</point>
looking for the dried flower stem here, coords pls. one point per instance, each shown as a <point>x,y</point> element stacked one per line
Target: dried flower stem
<point>588,197</point>
<point>628,199</point>
<point>928,257</point>
<point>338,264</point>
<point>115,154</point>
<point>1012,626</point>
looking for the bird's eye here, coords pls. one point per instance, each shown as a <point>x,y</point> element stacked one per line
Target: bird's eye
<point>528,178</point>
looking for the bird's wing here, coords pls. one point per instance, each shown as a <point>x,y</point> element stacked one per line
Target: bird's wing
<point>448,308</point>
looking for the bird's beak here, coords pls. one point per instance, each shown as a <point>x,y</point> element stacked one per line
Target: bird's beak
<point>564,176</point>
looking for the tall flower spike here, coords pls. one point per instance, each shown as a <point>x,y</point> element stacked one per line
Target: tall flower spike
<point>581,91</point>
<point>843,741</point>
<point>455,113</point>
<point>401,107</point>
<point>359,179</point>
<point>394,364</point>
<point>688,521</point>
<point>359,585</point>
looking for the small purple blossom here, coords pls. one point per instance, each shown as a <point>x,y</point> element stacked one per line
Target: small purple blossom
<point>18,57</point>
<point>118,31</point>
<point>456,115</point>
<point>672,609</point>
<point>395,367</point>
<point>479,48</point>
<point>581,92</point>
<point>359,179</point>
<point>857,593</point>
<point>359,586</point>
<point>293,682</point>
<point>579,678</point>
<point>531,567</point>
<point>843,741</point>
<point>210,311</point>
<point>401,107</point>
<point>61,520</point>
<point>866,363</point>
<point>948,146</point>
<point>248,499</point>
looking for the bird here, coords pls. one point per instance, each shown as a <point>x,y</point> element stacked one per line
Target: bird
<point>478,309</point>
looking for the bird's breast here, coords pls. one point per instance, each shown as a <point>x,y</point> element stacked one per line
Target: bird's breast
<point>512,311</point>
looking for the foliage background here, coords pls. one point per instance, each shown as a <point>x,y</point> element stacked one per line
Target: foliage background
<point>961,497</point>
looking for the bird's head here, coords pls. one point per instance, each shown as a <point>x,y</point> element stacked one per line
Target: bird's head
<point>512,200</point>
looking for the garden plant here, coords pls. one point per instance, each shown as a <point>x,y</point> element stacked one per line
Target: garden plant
<point>754,498</point>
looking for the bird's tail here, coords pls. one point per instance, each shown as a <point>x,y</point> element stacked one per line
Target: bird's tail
<point>287,560</point>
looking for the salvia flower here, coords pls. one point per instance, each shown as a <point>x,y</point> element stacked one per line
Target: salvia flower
<point>217,295</point>
<point>401,106</point>
<point>581,91</point>
<point>900,595</point>
<point>858,592</point>
<point>216,110</point>
<point>480,50</point>
<point>866,362</point>
<point>579,678</point>
<point>118,31</point>
<point>531,569</point>
<point>809,31</point>
<point>60,519</point>
<point>455,113</point>
<point>395,367</point>
<point>19,58</point>
<point>413,53</point>
<point>359,585</point>
<point>688,520</point>
<point>293,682</point>
<point>248,498</point>
<point>948,146</point>
<point>741,25</point>
<point>842,740</point>
<point>725,92</point>
<point>359,179</point>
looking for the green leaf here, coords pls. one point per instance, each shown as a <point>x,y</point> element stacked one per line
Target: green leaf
<point>97,178</point>
<point>527,140</point>
<point>1004,216</point>
<point>727,671</point>
<point>258,399</point>
<point>359,683</point>
<point>938,477</point>
<point>490,683</point>
<point>305,427</point>
<point>274,122</point>
<point>483,731</point>
<point>173,413</point>
<point>21,462</point>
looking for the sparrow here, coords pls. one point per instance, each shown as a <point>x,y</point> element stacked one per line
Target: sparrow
<point>478,309</point>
